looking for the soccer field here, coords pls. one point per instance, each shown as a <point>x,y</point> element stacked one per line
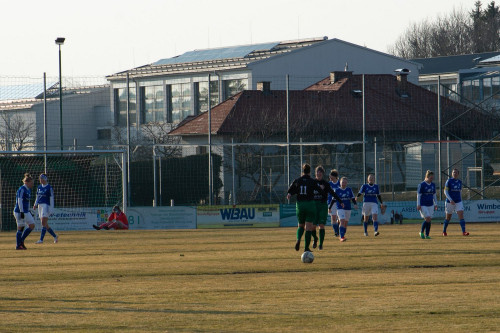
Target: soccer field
<point>252,280</point>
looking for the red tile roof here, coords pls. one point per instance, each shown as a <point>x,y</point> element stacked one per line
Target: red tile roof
<point>334,112</point>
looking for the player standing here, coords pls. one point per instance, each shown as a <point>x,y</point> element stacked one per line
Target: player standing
<point>24,219</point>
<point>426,203</point>
<point>453,192</point>
<point>304,188</point>
<point>320,200</point>
<point>334,184</point>
<point>371,193</point>
<point>344,206</point>
<point>45,204</point>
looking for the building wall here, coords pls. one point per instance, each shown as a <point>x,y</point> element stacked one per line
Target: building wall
<point>309,65</point>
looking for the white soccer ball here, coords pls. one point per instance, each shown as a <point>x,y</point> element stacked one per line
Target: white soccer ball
<point>307,257</point>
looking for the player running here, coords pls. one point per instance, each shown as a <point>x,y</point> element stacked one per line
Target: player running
<point>304,188</point>
<point>24,219</point>
<point>320,200</point>
<point>371,193</point>
<point>344,206</point>
<point>426,203</point>
<point>332,207</point>
<point>116,220</point>
<point>453,192</point>
<point>45,204</point>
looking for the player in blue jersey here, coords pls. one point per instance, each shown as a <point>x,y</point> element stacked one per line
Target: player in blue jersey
<point>344,206</point>
<point>24,219</point>
<point>371,197</point>
<point>334,184</point>
<point>45,204</point>
<point>426,203</point>
<point>453,192</point>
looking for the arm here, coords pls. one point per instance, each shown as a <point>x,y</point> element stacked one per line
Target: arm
<point>435,199</point>
<point>334,194</point>
<point>418,197</point>
<point>20,201</point>
<point>51,200</point>
<point>36,201</point>
<point>447,193</point>
<point>379,197</point>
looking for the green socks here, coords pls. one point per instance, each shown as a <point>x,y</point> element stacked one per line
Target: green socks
<point>300,232</point>
<point>321,236</point>
<point>308,238</point>
<point>314,235</point>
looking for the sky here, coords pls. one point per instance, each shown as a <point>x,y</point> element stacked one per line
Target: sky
<point>107,36</point>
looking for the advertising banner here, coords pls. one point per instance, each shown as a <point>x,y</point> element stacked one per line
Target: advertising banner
<point>257,216</point>
<point>288,217</point>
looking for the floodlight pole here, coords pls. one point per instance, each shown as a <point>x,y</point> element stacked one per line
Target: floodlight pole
<point>288,129</point>
<point>128,136</point>
<point>45,121</point>
<point>364,131</point>
<point>210,180</point>
<point>59,42</point>
<point>439,137</point>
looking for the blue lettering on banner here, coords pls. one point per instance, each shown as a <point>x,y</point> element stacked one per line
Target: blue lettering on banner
<point>237,213</point>
<point>492,206</point>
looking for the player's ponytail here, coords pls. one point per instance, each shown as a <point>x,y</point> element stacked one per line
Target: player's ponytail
<point>306,168</point>
<point>27,178</point>
<point>428,173</point>
<point>334,173</point>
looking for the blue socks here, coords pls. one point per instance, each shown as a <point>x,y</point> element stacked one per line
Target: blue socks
<point>335,227</point>
<point>26,233</point>
<point>42,234</point>
<point>342,231</point>
<point>445,225</point>
<point>365,226</point>
<point>19,237</point>
<point>52,232</point>
<point>462,224</point>
<point>427,228</point>
<point>375,226</point>
<point>422,229</point>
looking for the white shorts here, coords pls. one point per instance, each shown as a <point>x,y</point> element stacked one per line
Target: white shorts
<point>28,219</point>
<point>457,207</point>
<point>43,210</point>
<point>333,211</point>
<point>426,211</point>
<point>344,214</point>
<point>369,208</point>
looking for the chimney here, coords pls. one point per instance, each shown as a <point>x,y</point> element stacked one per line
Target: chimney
<point>338,75</point>
<point>402,78</point>
<point>264,86</point>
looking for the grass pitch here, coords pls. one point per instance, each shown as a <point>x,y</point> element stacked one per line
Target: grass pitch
<point>252,280</point>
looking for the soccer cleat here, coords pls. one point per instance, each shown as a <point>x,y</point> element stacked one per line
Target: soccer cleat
<point>428,237</point>
<point>343,239</point>
<point>56,239</point>
<point>297,246</point>
<point>39,241</point>
<point>465,233</point>
<point>445,234</point>
<point>95,227</point>
<point>321,247</point>
<point>20,248</point>
<point>336,234</point>
<point>315,243</point>
<point>106,228</point>
<point>23,246</point>
<point>376,233</point>
<point>307,249</point>
<point>366,234</point>
<point>422,235</point>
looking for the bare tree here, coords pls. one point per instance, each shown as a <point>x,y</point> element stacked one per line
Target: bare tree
<point>16,132</point>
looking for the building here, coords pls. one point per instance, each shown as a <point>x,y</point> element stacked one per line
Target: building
<point>397,113</point>
<point>470,78</point>
<point>86,117</point>
<point>170,90</point>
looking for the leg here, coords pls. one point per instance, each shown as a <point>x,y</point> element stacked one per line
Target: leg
<point>300,232</point>
<point>335,225</point>
<point>343,229</point>
<point>375,224</point>
<point>428,226</point>
<point>445,223</point>
<point>309,228</point>
<point>365,223</point>
<point>26,232</point>
<point>322,233</point>
<point>460,214</point>
<point>314,236</point>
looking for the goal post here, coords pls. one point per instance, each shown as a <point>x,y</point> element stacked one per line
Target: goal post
<point>81,179</point>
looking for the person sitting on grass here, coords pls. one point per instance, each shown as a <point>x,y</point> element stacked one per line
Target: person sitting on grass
<point>116,220</point>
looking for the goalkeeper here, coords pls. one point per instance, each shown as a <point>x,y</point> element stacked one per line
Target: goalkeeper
<point>117,220</point>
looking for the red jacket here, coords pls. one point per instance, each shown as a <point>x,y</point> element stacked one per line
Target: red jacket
<point>119,217</point>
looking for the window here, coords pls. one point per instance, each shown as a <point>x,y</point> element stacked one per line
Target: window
<point>476,90</point>
<point>495,87</point>
<point>202,104</point>
<point>487,87</point>
<point>104,134</point>
<point>181,101</point>
<point>466,90</point>
<point>121,106</point>
<point>152,98</point>
<point>232,87</point>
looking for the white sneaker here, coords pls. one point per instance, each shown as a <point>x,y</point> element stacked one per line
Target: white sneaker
<point>56,239</point>
<point>376,233</point>
<point>39,242</point>
<point>366,234</point>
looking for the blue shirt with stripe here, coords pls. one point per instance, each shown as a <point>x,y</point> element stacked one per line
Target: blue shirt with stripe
<point>23,193</point>
<point>334,186</point>
<point>427,192</point>
<point>454,188</point>
<point>370,192</point>
<point>43,194</point>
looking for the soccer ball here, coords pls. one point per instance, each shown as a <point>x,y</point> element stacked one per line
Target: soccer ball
<point>307,257</point>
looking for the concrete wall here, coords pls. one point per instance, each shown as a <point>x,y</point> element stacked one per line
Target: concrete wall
<point>311,64</point>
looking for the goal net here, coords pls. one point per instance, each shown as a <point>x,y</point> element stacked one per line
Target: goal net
<point>86,184</point>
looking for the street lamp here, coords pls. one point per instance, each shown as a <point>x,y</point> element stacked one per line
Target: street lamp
<point>60,41</point>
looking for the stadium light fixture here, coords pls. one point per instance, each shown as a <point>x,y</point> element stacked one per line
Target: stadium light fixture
<point>59,42</point>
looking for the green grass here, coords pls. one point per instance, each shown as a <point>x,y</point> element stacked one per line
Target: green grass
<point>251,280</point>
